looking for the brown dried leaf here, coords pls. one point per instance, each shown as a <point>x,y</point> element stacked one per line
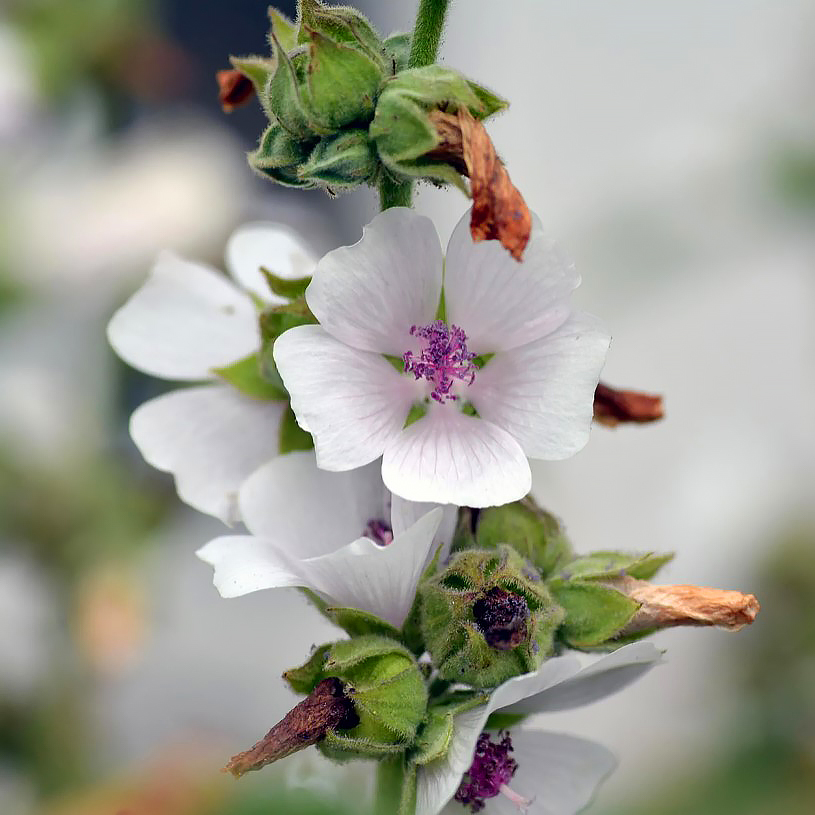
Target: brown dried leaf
<point>499,210</point>
<point>324,709</point>
<point>613,406</point>
<point>234,89</point>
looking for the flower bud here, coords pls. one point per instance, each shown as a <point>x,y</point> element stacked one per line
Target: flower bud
<point>402,128</point>
<point>385,685</point>
<point>531,531</point>
<point>341,161</point>
<point>488,617</point>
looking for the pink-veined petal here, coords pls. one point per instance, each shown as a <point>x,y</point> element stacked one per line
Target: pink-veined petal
<point>498,302</point>
<point>370,294</point>
<point>542,393</point>
<point>451,458</point>
<point>352,402</point>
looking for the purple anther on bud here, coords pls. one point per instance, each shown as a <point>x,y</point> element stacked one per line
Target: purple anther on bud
<point>501,616</point>
<point>379,532</point>
<point>443,359</point>
<point>490,773</point>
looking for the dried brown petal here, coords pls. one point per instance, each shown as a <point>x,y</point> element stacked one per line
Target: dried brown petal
<point>499,210</point>
<point>324,709</point>
<point>234,89</point>
<point>612,406</point>
<point>667,606</point>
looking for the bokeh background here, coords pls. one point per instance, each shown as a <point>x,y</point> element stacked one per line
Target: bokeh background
<point>669,147</point>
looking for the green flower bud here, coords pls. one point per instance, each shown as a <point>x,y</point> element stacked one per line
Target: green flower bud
<point>402,128</point>
<point>341,161</point>
<point>530,530</point>
<point>278,156</point>
<point>397,52</point>
<point>382,680</point>
<point>488,617</point>
<point>341,24</point>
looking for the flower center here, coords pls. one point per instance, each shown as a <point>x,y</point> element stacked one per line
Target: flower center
<point>491,771</point>
<point>379,532</point>
<point>443,358</point>
<point>501,616</point>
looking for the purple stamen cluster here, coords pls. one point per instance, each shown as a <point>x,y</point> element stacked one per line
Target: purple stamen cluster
<point>492,768</point>
<point>379,532</point>
<point>444,358</point>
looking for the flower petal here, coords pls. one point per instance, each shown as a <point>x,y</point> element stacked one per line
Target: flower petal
<point>210,438</point>
<point>379,579</point>
<point>370,294</point>
<point>290,499</point>
<point>600,679</point>
<point>274,246</point>
<point>405,513</point>
<point>353,402</point>
<point>559,773</point>
<point>438,781</point>
<point>498,302</point>
<point>244,563</point>
<point>456,459</point>
<point>184,321</point>
<point>361,575</point>
<point>542,393</point>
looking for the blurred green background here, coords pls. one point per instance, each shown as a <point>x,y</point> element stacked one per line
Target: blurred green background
<point>669,148</point>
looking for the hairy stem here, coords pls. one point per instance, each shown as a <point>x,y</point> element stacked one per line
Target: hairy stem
<point>423,51</point>
<point>427,32</point>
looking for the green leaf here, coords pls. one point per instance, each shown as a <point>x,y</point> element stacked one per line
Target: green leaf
<point>274,321</point>
<point>259,69</point>
<point>304,678</point>
<point>292,437</point>
<point>433,740</point>
<point>491,102</point>
<point>503,721</point>
<point>286,99</point>
<point>594,613</point>
<point>357,623</point>
<point>341,24</point>
<point>416,412</point>
<point>246,377</point>
<point>283,287</point>
<point>277,148</point>
<point>605,564</point>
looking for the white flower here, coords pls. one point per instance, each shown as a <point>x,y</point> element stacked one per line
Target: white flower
<point>185,321</point>
<point>556,774</point>
<point>339,534</point>
<point>533,397</point>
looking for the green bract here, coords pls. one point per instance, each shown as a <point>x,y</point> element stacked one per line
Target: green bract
<point>342,104</point>
<point>384,682</point>
<point>488,617</point>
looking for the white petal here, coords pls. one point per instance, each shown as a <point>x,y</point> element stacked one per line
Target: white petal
<point>456,459</point>
<point>370,294</point>
<point>353,402</point>
<point>438,781</point>
<point>600,679</point>
<point>498,302</point>
<point>184,321</point>
<point>542,393</point>
<point>361,575</point>
<point>274,246</point>
<point>374,578</point>
<point>560,773</point>
<point>210,438</point>
<point>405,513</point>
<point>290,499</point>
<point>244,564</point>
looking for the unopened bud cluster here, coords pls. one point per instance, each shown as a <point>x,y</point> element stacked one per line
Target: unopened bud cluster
<point>344,107</point>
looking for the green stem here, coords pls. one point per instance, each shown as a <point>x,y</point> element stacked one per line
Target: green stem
<point>423,51</point>
<point>427,32</point>
<point>395,787</point>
